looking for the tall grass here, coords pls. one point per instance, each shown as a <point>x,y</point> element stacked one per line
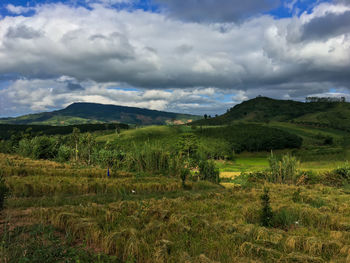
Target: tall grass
<point>211,226</point>
<point>283,170</point>
<point>37,186</point>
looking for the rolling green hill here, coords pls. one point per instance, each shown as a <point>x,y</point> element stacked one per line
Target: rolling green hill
<point>334,115</point>
<point>82,113</point>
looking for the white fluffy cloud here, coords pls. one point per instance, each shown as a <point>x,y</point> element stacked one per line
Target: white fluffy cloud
<point>156,54</point>
<point>17,9</point>
<point>37,95</point>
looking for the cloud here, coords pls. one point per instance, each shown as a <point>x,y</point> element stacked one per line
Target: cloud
<point>22,31</point>
<point>35,95</point>
<point>327,26</point>
<point>82,53</point>
<point>18,9</point>
<point>216,10</point>
<point>109,3</point>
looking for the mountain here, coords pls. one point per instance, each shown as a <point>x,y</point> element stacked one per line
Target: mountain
<point>262,109</point>
<point>82,113</point>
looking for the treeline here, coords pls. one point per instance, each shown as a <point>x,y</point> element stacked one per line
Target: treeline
<point>253,137</point>
<point>335,124</point>
<point>325,99</point>
<point>8,130</point>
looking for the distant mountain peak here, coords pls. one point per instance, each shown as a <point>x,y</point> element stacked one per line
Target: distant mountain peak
<point>89,112</point>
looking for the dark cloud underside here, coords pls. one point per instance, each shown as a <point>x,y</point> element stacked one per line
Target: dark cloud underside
<point>217,10</point>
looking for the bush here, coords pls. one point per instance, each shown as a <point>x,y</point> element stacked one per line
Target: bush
<point>307,177</point>
<point>64,153</point>
<point>25,147</point>
<point>208,171</point>
<point>328,140</point>
<point>4,190</point>
<point>338,177</point>
<point>44,148</point>
<point>284,218</point>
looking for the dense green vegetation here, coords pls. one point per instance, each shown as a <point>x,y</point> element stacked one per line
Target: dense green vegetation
<point>253,137</point>
<point>322,113</point>
<point>82,113</point>
<point>20,131</point>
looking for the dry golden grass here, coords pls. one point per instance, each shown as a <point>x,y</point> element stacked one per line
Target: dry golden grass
<point>216,225</point>
<point>231,175</point>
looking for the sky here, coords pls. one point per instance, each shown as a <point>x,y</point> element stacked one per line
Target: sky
<point>188,56</point>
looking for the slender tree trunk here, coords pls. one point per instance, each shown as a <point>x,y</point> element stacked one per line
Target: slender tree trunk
<point>89,157</point>
<point>76,151</point>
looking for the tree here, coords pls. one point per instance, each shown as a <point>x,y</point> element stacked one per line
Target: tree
<point>188,144</point>
<point>75,137</point>
<point>88,143</point>
<point>208,171</point>
<point>205,116</point>
<point>117,130</point>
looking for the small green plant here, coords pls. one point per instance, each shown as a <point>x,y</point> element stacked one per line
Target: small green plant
<point>184,173</point>
<point>296,196</point>
<point>285,218</point>
<point>266,215</point>
<point>317,202</point>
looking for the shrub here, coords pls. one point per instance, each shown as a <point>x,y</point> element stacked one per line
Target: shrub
<point>307,177</point>
<point>338,177</point>
<point>4,190</point>
<point>266,214</point>
<point>44,147</point>
<point>25,147</point>
<point>64,153</point>
<point>296,196</point>
<point>328,140</point>
<point>284,218</point>
<point>208,171</point>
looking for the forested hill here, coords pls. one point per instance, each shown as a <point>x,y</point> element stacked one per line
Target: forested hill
<point>262,109</point>
<point>82,113</point>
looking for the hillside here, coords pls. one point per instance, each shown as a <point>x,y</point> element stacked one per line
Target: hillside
<point>82,113</point>
<point>262,109</point>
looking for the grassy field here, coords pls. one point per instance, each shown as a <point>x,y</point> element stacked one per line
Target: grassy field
<point>72,212</point>
<point>66,213</point>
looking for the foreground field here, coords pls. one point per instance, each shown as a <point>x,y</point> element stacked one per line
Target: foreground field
<point>63,213</point>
